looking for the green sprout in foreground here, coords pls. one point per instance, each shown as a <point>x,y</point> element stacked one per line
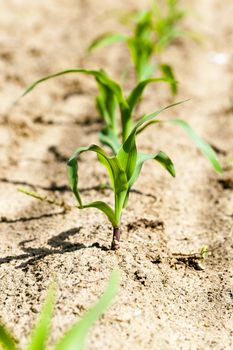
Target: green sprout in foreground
<point>75,337</point>
<point>153,30</point>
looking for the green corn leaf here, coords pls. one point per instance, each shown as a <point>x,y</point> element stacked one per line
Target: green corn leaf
<point>140,54</point>
<point>160,157</point>
<point>42,330</point>
<point>149,117</point>
<point>167,37</point>
<point>146,69</point>
<point>104,79</point>
<point>106,209</point>
<point>110,94</point>
<point>166,24</point>
<point>106,40</point>
<point>112,165</point>
<point>141,45</point>
<point>132,100</point>
<point>127,155</point>
<point>109,138</point>
<point>145,126</point>
<point>205,148</point>
<point>116,173</point>
<point>169,74</point>
<point>6,339</point>
<point>100,75</point>
<point>75,338</point>
<point>166,162</point>
<point>106,104</point>
<point>141,16</point>
<point>137,92</point>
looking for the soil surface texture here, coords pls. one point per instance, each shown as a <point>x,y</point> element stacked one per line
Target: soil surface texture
<point>168,298</point>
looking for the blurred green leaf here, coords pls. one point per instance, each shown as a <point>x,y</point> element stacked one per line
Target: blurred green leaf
<point>106,39</point>
<point>100,75</point>
<point>150,117</point>
<point>169,74</point>
<point>137,92</point>
<point>205,148</point>
<point>106,103</point>
<point>75,338</point>
<point>42,330</point>
<point>6,338</point>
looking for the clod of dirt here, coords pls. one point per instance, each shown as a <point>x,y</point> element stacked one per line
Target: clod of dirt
<point>227,184</point>
<point>145,223</point>
<point>40,120</point>
<point>140,276</point>
<point>157,260</point>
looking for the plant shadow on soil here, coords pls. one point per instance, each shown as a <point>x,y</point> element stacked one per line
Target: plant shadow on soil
<point>58,244</point>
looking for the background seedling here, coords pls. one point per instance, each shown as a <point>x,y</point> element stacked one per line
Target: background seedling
<point>168,27</point>
<point>116,109</point>
<point>76,336</point>
<point>152,32</point>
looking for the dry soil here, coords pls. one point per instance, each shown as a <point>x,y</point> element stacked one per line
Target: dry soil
<point>165,301</point>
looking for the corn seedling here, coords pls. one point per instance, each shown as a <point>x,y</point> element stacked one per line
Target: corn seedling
<point>111,103</point>
<point>76,336</point>
<point>125,164</point>
<point>167,23</point>
<point>124,168</point>
<point>152,32</point>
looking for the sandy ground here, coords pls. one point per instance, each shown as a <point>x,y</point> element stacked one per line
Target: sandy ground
<point>164,301</point>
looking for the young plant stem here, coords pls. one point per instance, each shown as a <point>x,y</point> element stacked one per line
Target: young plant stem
<point>116,237</point>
